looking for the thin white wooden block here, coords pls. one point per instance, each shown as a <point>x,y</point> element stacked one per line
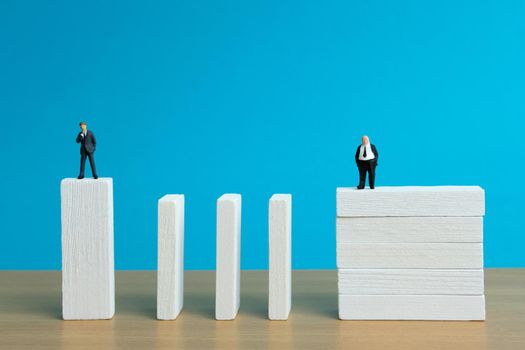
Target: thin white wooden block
<point>411,201</point>
<point>280,256</point>
<point>409,229</point>
<point>410,281</point>
<point>88,274</point>
<point>410,255</point>
<point>170,265</point>
<point>228,269</point>
<point>412,307</point>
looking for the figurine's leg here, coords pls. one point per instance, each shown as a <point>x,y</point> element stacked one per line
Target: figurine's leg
<point>82,165</point>
<point>92,165</point>
<point>362,177</point>
<point>372,176</point>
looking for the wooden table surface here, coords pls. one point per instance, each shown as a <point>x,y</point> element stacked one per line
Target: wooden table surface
<point>30,317</point>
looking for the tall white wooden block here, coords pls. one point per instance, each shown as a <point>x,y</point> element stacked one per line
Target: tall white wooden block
<point>280,256</point>
<point>228,269</point>
<point>170,269</point>
<point>88,274</point>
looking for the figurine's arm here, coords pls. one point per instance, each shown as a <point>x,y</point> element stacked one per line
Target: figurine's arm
<point>374,150</point>
<point>357,155</point>
<point>80,136</point>
<point>94,139</point>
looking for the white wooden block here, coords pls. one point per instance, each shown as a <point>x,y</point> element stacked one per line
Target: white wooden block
<point>410,281</point>
<point>411,201</point>
<point>410,255</point>
<point>409,229</point>
<point>170,268</point>
<point>412,307</point>
<point>228,270</point>
<point>88,273</point>
<point>280,256</point>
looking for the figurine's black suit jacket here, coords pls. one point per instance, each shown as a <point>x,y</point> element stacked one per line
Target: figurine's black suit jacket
<point>363,162</point>
<point>88,143</point>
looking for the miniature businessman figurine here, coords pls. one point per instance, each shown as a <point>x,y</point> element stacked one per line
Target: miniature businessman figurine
<point>366,158</point>
<point>88,144</point>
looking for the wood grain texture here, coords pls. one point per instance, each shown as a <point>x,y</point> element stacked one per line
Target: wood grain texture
<point>228,267</point>
<point>409,229</point>
<point>410,281</point>
<point>88,277</point>
<point>410,255</point>
<point>412,307</point>
<point>170,265</point>
<point>411,201</point>
<point>30,317</point>
<point>280,256</point>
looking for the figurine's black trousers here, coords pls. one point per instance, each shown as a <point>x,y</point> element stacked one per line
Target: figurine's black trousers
<point>83,156</point>
<point>369,167</point>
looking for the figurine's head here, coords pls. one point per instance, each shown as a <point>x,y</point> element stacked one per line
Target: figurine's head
<point>83,126</point>
<point>365,140</point>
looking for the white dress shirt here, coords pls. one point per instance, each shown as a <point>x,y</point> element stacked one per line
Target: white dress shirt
<point>369,153</point>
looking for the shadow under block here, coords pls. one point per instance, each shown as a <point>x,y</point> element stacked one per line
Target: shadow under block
<point>170,269</point>
<point>411,201</point>
<point>280,256</point>
<point>228,268</point>
<point>88,274</point>
<point>412,307</point>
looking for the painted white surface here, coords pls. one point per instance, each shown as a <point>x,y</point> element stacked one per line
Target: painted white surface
<point>88,274</point>
<point>409,229</point>
<point>411,201</point>
<point>410,281</point>
<point>170,263</point>
<point>228,268</point>
<point>412,307</point>
<point>410,255</point>
<point>280,256</point>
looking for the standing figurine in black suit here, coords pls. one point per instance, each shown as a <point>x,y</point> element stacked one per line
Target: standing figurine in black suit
<point>366,158</point>
<point>88,144</point>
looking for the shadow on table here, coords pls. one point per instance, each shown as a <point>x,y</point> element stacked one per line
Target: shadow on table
<point>316,304</point>
<point>32,304</point>
<point>201,304</point>
<point>138,304</point>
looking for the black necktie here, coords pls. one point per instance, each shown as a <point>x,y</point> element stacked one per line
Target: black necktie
<point>364,152</point>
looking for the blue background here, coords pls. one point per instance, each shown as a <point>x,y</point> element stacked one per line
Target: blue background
<point>256,97</point>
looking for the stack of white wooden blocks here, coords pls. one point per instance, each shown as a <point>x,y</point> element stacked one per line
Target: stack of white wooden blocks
<point>413,253</point>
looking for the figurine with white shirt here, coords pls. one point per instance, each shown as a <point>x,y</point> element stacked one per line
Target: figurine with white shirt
<point>366,158</point>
